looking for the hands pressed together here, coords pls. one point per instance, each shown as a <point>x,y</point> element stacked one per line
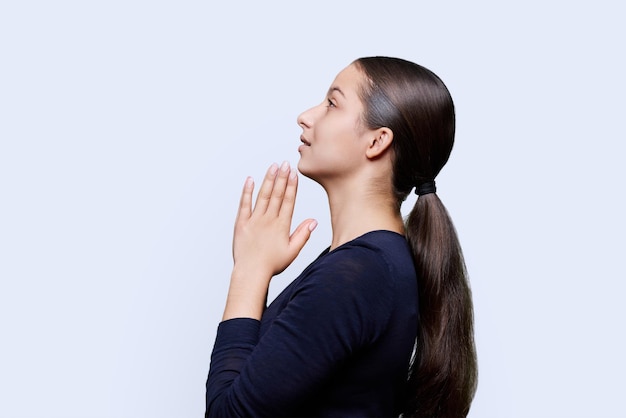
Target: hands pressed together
<point>263,244</point>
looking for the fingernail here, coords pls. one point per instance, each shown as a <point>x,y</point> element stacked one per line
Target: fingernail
<point>312,225</point>
<point>249,182</point>
<point>273,168</point>
<point>284,166</point>
<point>293,173</point>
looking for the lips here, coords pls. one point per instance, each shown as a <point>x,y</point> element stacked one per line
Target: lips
<point>304,141</point>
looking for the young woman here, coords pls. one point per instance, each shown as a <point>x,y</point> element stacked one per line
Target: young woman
<point>380,324</point>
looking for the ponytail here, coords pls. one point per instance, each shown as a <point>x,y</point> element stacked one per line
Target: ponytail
<point>443,370</point>
<point>416,105</point>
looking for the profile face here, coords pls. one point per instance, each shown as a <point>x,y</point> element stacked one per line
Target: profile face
<point>333,133</point>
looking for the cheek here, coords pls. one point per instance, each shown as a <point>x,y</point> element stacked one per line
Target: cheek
<point>334,128</point>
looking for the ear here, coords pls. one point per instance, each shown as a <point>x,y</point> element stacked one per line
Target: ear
<point>379,143</point>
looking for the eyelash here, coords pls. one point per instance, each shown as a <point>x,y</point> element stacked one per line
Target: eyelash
<point>330,103</point>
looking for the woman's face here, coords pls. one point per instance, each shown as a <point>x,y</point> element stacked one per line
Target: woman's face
<point>334,138</point>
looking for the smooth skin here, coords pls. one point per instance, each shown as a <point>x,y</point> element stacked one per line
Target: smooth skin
<point>263,244</point>
<point>351,162</point>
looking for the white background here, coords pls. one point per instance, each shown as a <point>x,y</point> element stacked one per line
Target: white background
<point>127,129</point>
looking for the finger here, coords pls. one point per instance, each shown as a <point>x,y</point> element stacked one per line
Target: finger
<point>289,201</point>
<point>265,192</point>
<point>245,203</point>
<point>278,192</point>
<point>300,236</point>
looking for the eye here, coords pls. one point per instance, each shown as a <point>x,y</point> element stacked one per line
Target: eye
<point>330,103</point>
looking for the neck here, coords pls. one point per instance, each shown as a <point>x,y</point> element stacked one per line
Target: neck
<point>357,208</point>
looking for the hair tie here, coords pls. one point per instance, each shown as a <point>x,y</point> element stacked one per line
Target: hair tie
<point>426,188</point>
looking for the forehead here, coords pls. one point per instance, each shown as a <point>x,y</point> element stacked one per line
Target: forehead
<point>348,81</point>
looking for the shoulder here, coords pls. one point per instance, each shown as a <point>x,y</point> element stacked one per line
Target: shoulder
<point>373,254</point>
<point>352,292</point>
<point>359,285</point>
<point>373,266</point>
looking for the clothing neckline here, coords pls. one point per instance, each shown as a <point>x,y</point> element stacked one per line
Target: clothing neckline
<point>362,236</point>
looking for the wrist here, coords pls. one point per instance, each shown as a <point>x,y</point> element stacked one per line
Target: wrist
<point>247,294</point>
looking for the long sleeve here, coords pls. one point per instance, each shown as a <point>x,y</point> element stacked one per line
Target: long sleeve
<point>234,343</point>
<point>338,306</point>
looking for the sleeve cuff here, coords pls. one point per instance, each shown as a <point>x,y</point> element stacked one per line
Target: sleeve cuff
<point>238,330</point>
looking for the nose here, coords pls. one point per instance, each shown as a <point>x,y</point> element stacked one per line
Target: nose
<point>305,119</point>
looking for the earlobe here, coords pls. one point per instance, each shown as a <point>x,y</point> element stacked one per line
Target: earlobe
<point>380,142</point>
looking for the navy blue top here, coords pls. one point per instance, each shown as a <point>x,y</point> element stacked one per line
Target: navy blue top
<point>336,342</point>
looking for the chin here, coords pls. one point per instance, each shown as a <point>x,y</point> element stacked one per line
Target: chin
<point>306,171</point>
<point>302,168</point>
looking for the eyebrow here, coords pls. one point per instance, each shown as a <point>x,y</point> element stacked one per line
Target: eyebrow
<point>335,88</point>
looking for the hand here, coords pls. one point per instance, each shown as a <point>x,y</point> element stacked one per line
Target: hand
<point>263,244</point>
<point>262,239</point>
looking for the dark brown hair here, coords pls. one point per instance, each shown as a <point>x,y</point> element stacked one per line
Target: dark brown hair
<point>415,104</point>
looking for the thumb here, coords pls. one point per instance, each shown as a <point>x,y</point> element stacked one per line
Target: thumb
<point>301,235</point>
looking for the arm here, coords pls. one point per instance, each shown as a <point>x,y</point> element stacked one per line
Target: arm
<point>262,247</point>
<point>340,306</point>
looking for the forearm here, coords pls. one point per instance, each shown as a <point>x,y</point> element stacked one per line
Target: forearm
<point>235,342</point>
<point>247,295</point>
